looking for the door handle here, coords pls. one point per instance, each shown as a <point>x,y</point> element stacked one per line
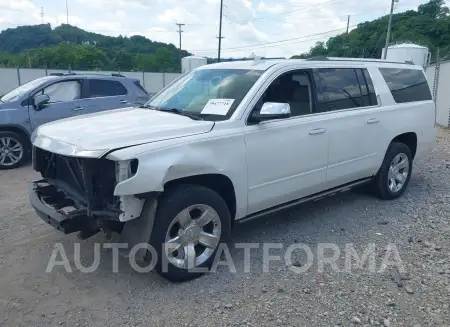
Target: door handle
<point>79,108</point>
<point>123,101</point>
<point>317,131</point>
<point>373,121</point>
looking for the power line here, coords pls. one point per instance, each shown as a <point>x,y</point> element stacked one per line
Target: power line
<point>287,12</point>
<point>271,16</point>
<point>274,42</point>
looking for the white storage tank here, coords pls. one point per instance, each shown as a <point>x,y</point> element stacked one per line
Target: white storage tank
<point>191,62</point>
<point>419,55</point>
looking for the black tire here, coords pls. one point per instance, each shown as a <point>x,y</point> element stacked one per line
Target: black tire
<point>25,146</point>
<point>381,180</point>
<point>170,204</point>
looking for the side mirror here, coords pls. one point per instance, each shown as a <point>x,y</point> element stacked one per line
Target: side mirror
<point>271,110</point>
<point>40,100</point>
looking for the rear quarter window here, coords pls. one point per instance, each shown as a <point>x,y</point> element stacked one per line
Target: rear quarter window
<point>406,85</point>
<point>105,88</point>
<point>140,87</point>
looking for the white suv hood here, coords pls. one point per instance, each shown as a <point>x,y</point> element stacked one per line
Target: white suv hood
<point>96,134</point>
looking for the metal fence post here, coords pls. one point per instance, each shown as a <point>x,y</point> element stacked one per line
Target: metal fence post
<point>18,76</point>
<point>164,79</point>
<point>436,80</point>
<point>143,79</point>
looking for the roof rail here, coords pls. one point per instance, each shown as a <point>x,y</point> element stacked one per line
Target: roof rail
<point>359,60</point>
<point>71,74</point>
<point>320,58</point>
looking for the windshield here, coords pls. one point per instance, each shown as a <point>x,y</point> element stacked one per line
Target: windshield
<point>213,94</point>
<point>17,93</point>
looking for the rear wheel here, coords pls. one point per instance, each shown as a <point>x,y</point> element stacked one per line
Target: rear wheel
<point>191,221</point>
<point>395,172</point>
<point>14,150</point>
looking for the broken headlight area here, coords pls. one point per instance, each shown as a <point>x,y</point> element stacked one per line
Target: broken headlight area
<point>80,192</point>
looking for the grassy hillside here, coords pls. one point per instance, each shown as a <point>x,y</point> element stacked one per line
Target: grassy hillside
<point>41,46</point>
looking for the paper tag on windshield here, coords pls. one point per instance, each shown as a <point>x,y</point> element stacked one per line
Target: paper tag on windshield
<point>218,106</point>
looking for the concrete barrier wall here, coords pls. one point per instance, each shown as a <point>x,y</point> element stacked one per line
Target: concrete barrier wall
<point>443,95</point>
<point>10,78</point>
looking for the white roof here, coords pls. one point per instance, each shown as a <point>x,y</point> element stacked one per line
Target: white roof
<point>407,45</point>
<point>194,57</point>
<point>266,64</point>
<point>243,64</point>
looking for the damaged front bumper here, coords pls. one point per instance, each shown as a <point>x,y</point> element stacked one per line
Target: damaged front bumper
<point>77,194</point>
<point>54,207</point>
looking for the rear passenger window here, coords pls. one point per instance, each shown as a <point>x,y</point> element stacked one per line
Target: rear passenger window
<point>406,85</point>
<point>372,95</point>
<point>104,88</point>
<point>337,89</point>
<point>367,90</point>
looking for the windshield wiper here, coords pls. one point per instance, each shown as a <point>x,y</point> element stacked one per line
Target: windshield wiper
<point>180,112</point>
<point>190,114</point>
<point>148,107</point>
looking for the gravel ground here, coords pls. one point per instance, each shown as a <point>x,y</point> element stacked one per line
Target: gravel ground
<point>418,224</point>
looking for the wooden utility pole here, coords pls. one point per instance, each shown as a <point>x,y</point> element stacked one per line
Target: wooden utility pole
<point>348,23</point>
<point>388,35</point>
<point>179,32</point>
<point>67,12</point>
<point>220,30</point>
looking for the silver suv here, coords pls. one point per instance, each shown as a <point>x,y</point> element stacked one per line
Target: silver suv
<point>55,97</point>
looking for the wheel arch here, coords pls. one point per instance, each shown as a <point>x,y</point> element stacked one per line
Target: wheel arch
<point>409,139</point>
<point>217,182</point>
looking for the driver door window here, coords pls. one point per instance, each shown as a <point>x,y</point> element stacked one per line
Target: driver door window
<point>293,88</point>
<point>63,91</point>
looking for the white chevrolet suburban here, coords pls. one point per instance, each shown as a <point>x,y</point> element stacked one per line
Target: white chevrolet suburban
<point>229,142</point>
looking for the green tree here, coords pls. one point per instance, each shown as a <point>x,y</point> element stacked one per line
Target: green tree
<point>429,25</point>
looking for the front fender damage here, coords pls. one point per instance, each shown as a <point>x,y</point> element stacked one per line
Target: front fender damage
<point>137,232</point>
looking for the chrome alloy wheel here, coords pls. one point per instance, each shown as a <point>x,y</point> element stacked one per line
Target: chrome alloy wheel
<point>11,151</point>
<point>193,236</point>
<point>398,172</point>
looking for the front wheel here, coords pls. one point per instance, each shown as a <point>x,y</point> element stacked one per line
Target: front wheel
<point>395,172</point>
<point>14,150</point>
<point>190,223</point>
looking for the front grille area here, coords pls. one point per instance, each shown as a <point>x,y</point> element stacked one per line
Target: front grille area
<point>89,182</point>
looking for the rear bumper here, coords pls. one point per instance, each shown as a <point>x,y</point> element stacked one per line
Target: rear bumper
<point>49,203</point>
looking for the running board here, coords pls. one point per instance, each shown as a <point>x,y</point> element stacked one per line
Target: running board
<point>314,197</point>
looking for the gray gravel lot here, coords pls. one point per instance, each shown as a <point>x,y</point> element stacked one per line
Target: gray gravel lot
<point>418,224</point>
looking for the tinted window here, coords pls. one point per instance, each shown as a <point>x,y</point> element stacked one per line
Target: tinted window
<point>139,86</point>
<point>406,85</point>
<point>293,88</point>
<point>105,88</point>
<point>338,88</point>
<point>371,89</point>
<point>367,89</point>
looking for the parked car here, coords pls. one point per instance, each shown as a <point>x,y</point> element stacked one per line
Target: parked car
<point>54,97</point>
<point>230,142</point>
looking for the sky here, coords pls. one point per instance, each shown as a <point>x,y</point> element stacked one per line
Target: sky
<point>270,28</point>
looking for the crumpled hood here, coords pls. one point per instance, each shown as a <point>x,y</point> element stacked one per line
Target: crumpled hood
<point>94,135</point>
